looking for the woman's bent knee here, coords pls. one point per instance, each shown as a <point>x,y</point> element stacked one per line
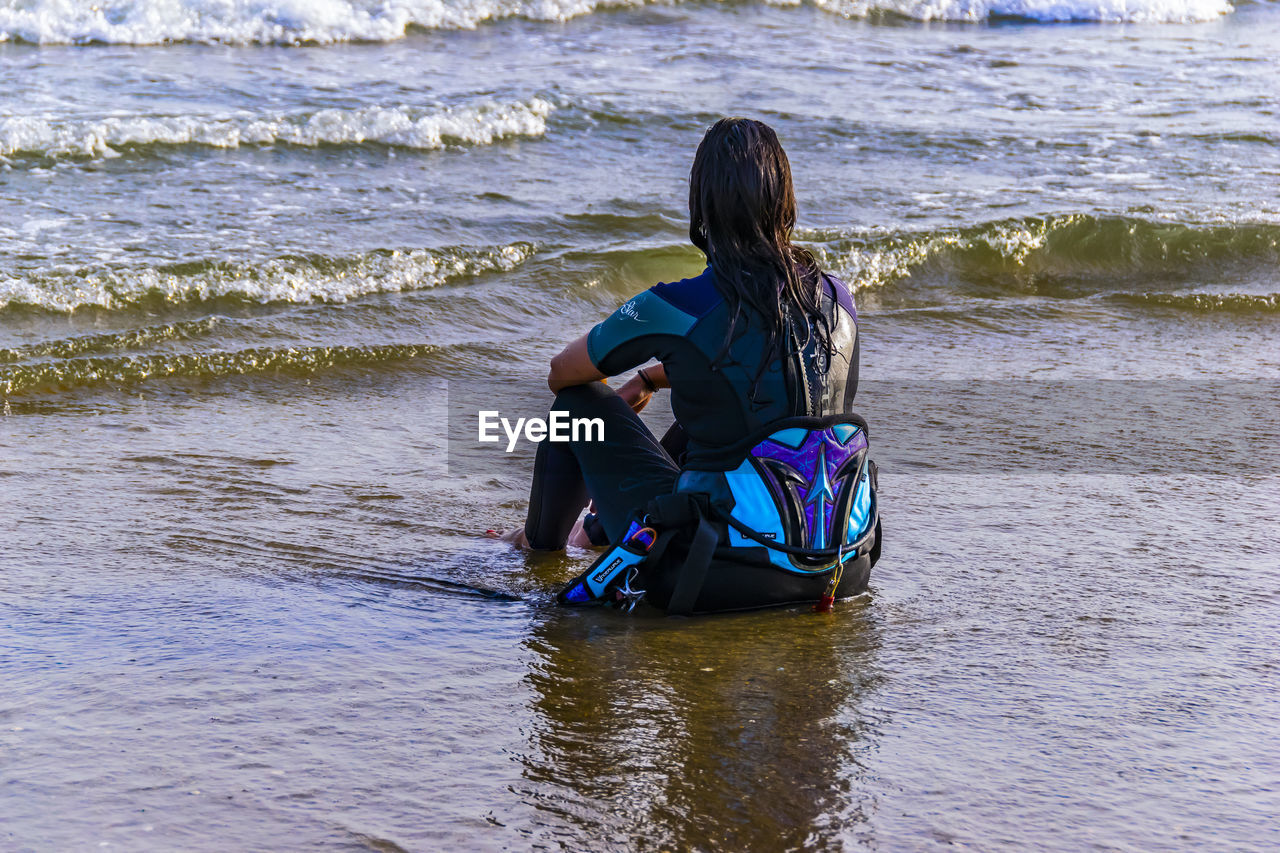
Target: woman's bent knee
<point>583,400</point>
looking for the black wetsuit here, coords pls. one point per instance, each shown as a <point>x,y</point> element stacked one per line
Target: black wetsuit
<point>716,402</point>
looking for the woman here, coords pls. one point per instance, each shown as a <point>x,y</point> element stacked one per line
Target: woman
<point>761,335</point>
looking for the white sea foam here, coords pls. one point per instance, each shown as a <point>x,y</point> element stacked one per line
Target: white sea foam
<point>296,280</point>
<point>400,126</point>
<point>868,263</point>
<point>262,21</point>
<point>1114,11</point>
<point>328,21</point>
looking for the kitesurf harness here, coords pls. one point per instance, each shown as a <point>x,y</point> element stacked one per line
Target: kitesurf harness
<point>776,522</point>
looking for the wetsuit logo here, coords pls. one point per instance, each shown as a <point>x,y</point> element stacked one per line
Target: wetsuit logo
<point>603,575</point>
<point>628,309</point>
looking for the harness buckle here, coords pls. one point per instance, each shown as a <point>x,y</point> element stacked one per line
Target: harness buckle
<point>643,538</point>
<point>627,596</point>
<point>828,600</point>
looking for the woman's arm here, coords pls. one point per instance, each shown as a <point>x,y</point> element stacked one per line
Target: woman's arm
<point>638,390</point>
<point>620,341</point>
<point>573,367</point>
<point>657,374</point>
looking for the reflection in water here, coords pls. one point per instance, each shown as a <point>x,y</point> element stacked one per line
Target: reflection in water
<point>734,732</point>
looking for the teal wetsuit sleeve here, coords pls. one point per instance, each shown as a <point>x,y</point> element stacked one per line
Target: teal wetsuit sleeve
<point>635,333</point>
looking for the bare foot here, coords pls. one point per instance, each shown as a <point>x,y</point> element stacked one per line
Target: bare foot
<point>578,537</point>
<point>514,537</point>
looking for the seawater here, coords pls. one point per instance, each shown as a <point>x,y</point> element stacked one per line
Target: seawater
<point>259,264</point>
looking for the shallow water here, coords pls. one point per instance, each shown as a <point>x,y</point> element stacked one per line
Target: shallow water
<point>250,293</point>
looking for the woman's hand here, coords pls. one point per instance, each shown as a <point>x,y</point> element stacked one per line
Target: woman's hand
<point>573,367</point>
<point>638,390</point>
<point>634,392</point>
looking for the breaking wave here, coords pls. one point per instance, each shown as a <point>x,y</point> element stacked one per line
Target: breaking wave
<point>54,376</point>
<point>255,21</point>
<point>328,21</point>
<point>112,341</point>
<point>288,279</point>
<point>1066,256</point>
<point>1205,303</point>
<point>402,126</point>
<point>1044,11</point>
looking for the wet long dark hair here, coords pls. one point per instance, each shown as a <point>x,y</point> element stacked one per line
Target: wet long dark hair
<point>742,210</point>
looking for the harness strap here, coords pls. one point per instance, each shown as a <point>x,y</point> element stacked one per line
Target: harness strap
<point>694,571</point>
<point>667,516</point>
<point>608,579</point>
<point>660,544</point>
<point>863,545</point>
<point>677,509</point>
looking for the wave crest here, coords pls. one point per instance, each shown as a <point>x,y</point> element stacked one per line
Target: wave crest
<point>1206,303</point>
<point>401,126</point>
<point>144,22</point>
<point>1068,255</point>
<point>112,341</point>
<point>288,279</point>
<point>1044,11</point>
<point>289,22</point>
<point>53,376</point>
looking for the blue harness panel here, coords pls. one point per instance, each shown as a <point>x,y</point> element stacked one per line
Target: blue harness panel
<point>807,488</point>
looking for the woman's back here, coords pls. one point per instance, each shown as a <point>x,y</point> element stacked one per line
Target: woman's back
<point>720,397</point>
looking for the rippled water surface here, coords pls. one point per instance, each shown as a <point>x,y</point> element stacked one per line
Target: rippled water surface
<point>258,264</point>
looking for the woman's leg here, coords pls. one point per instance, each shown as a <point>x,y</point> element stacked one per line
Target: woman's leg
<point>621,473</point>
<point>593,534</point>
<point>676,442</point>
<point>556,497</point>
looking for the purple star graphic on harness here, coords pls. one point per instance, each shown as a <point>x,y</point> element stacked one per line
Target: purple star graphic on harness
<point>810,475</point>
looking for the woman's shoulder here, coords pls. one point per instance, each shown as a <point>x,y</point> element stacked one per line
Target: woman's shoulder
<point>695,296</point>
<point>840,291</point>
<point>668,308</point>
